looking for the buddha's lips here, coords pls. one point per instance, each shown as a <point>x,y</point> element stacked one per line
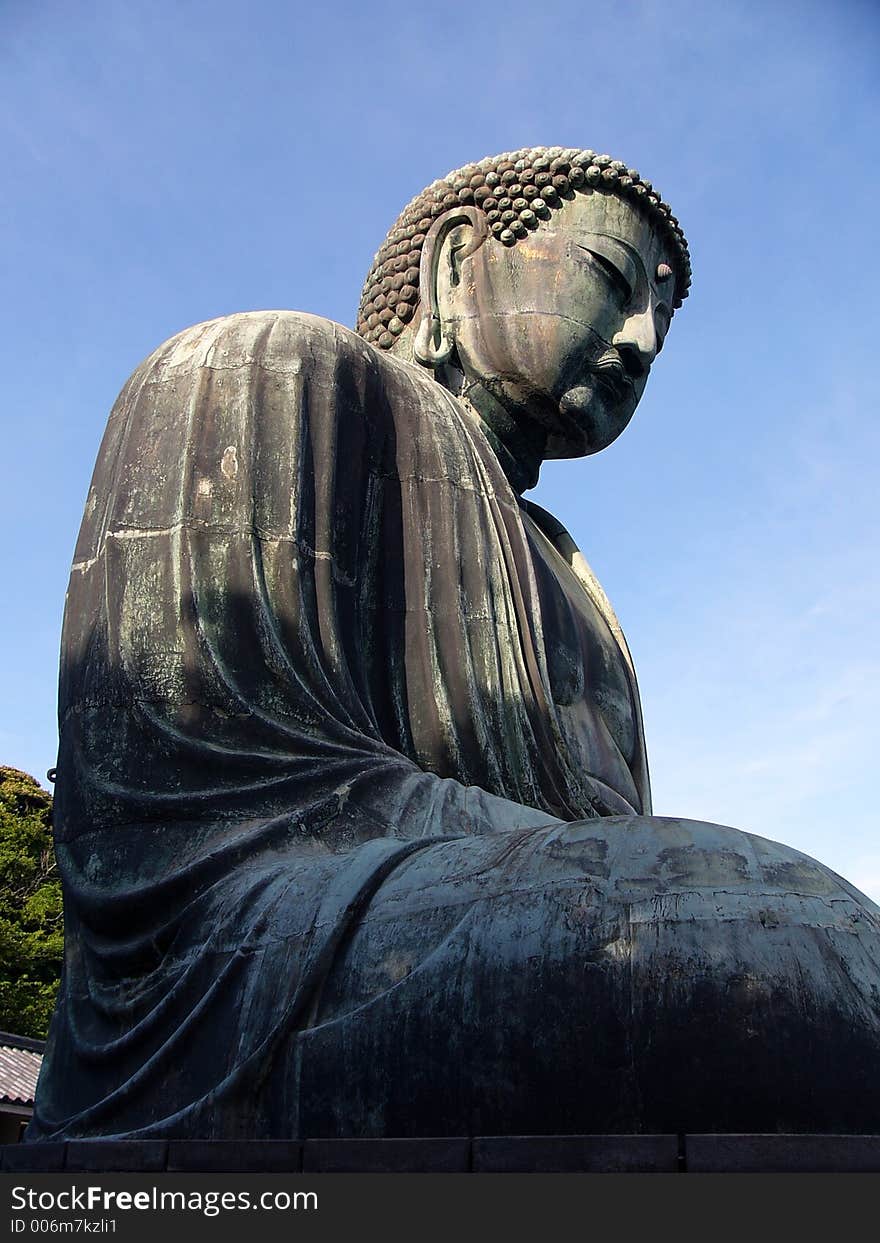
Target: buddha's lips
<point>610,372</point>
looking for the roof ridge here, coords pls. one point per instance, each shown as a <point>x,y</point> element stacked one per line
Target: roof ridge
<point>22,1042</point>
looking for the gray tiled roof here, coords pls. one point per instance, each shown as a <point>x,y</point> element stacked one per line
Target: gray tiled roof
<point>20,1060</point>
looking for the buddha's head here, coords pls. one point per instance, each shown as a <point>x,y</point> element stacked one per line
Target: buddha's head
<point>539,284</point>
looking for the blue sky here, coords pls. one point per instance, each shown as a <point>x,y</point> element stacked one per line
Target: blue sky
<point>167,162</point>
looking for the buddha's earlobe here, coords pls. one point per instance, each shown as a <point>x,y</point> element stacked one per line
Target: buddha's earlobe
<point>432,346</point>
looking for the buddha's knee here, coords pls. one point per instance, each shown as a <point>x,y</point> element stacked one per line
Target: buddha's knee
<point>609,974</point>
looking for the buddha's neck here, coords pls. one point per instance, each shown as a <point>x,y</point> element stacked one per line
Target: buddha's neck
<point>518,440</point>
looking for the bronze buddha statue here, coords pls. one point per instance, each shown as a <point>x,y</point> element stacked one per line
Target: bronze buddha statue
<point>352,802</point>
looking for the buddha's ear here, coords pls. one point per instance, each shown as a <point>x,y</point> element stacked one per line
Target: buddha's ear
<point>432,346</point>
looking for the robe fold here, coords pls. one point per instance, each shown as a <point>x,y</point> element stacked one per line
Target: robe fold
<point>311,632</point>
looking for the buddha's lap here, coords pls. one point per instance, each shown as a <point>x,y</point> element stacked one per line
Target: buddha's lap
<point>612,974</point>
<point>595,887</point>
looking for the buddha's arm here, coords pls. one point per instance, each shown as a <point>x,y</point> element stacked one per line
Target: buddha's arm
<point>252,628</point>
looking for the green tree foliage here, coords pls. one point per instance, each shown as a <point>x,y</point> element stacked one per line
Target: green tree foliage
<point>31,935</point>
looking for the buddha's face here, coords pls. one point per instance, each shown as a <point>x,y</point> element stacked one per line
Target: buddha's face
<point>563,326</point>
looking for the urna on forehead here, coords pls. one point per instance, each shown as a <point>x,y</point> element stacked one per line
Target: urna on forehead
<point>517,191</point>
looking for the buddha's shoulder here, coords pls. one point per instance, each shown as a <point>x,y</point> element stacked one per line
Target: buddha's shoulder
<point>291,367</point>
<point>284,342</point>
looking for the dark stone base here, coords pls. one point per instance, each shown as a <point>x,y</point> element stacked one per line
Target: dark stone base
<point>585,1154</point>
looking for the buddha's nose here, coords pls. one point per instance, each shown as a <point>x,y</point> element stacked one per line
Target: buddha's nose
<point>636,342</point>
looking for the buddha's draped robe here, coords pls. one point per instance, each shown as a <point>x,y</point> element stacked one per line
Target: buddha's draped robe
<point>310,631</point>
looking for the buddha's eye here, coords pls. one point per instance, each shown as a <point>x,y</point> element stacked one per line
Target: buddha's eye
<point>614,274</point>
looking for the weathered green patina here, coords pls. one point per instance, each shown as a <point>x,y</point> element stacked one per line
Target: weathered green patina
<point>352,805</point>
